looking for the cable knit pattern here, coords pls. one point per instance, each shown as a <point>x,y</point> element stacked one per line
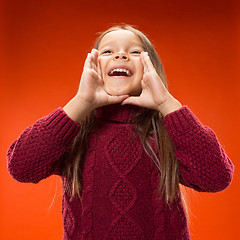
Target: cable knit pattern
<point>35,154</point>
<point>123,157</point>
<point>88,199</point>
<point>120,181</point>
<point>201,157</point>
<point>159,212</point>
<point>69,219</point>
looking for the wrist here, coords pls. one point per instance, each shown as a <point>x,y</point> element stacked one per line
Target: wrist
<point>77,109</point>
<point>169,106</point>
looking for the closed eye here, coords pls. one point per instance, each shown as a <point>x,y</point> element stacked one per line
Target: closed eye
<point>106,52</point>
<point>136,52</point>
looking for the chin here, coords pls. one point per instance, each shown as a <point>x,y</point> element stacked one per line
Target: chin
<point>122,92</point>
<point>117,92</point>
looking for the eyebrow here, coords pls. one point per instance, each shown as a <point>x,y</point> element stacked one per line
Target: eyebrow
<point>111,42</point>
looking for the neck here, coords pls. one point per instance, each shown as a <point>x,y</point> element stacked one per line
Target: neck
<point>117,113</point>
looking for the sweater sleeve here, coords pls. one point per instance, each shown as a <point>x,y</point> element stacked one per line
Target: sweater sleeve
<point>203,163</point>
<point>37,153</point>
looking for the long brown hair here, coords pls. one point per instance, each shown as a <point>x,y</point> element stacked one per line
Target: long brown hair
<point>148,124</point>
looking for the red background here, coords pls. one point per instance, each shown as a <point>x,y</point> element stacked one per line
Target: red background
<point>43,47</point>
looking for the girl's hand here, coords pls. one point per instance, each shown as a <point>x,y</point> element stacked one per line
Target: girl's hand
<point>91,93</point>
<point>154,94</point>
<point>91,89</point>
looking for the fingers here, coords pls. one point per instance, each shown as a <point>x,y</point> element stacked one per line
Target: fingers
<point>94,57</point>
<point>117,99</point>
<point>147,63</point>
<point>145,68</point>
<point>88,63</point>
<point>95,62</point>
<point>132,101</point>
<point>92,63</point>
<point>91,60</point>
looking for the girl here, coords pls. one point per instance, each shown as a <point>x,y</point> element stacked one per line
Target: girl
<point>122,146</point>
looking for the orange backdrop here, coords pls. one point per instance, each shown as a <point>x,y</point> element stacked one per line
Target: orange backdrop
<point>43,47</point>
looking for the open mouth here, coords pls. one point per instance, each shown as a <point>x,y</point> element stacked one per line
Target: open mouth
<point>120,72</point>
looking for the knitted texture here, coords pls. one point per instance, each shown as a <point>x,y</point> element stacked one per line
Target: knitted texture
<point>120,181</point>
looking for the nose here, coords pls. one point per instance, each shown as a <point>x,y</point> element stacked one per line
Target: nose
<point>121,55</point>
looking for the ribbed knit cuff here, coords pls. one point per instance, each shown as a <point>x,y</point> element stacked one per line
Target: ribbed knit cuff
<point>181,122</point>
<point>61,125</point>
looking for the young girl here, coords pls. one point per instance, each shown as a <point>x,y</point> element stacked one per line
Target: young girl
<point>122,146</point>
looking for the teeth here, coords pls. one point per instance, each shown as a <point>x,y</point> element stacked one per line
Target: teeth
<point>120,70</point>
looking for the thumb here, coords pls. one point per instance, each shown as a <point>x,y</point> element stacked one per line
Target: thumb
<point>117,99</point>
<point>132,101</point>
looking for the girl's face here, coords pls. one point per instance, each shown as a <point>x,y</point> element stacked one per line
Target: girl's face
<point>120,63</point>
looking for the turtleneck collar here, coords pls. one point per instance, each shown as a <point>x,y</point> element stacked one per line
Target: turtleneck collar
<point>117,113</point>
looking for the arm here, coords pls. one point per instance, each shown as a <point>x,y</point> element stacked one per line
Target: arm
<point>203,163</point>
<point>91,93</point>
<point>37,153</point>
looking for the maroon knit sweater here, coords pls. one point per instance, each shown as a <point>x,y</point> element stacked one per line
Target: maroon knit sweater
<point>120,181</point>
